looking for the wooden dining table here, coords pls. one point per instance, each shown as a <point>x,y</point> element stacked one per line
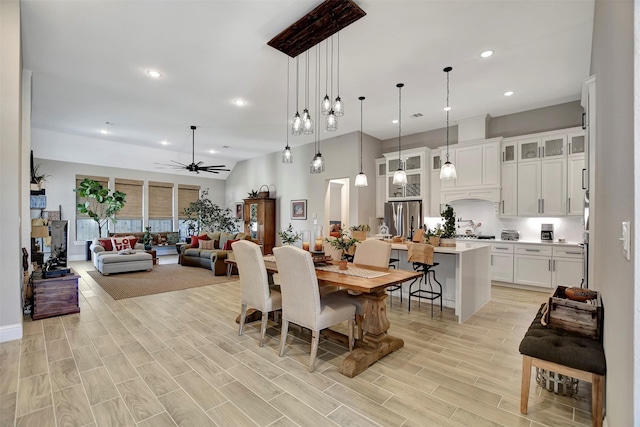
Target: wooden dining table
<point>375,323</point>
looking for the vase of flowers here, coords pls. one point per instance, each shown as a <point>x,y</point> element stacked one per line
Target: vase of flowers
<point>288,236</point>
<point>344,243</point>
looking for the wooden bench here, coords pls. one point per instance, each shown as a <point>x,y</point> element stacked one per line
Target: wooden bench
<point>567,354</point>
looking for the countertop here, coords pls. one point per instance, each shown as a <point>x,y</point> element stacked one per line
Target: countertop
<point>525,242</point>
<point>460,247</point>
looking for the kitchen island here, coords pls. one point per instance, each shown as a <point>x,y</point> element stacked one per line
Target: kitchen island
<point>465,274</point>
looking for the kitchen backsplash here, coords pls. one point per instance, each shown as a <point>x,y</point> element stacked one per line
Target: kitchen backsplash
<point>480,211</point>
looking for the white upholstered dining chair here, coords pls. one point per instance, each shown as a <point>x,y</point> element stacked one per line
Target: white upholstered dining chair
<point>301,300</point>
<point>254,283</point>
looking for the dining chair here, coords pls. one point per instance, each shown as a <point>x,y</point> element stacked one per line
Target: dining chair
<point>254,283</point>
<point>301,300</point>
<point>421,255</point>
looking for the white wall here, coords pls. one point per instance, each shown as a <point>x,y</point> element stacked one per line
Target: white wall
<point>613,198</point>
<point>59,190</point>
<point>291,182</point>
<point>10,172</point>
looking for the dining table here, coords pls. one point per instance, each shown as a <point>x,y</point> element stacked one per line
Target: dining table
<point>371,283</point>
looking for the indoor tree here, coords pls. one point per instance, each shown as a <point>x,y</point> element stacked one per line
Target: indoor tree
<point>99,205</point>
<point>205,215</point>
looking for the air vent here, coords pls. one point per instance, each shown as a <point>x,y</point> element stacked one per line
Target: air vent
<point>416,115</point>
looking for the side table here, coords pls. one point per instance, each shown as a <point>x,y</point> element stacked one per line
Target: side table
<point>55,296</point>
<point>153,255</point>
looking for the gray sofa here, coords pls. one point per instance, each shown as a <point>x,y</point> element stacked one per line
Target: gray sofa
<point>210,258</point>
<point>108,262</point>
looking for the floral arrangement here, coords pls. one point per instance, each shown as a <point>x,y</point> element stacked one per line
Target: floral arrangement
<point>289,236</point>
<point>361,227</point>
<point>343,243</point>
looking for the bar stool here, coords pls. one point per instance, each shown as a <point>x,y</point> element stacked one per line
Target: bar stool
<point>422,257</point>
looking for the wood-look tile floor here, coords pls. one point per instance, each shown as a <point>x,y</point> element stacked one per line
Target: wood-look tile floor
<point>176,359</point>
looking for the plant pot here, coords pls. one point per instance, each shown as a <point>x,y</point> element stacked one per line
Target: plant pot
<point>448,242</point>
<point>147,247</point>
<point>359,235</point>
<point>342,265</point>
<point>434,240</point>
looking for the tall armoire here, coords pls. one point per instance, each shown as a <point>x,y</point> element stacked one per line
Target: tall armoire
<point>260,222</point>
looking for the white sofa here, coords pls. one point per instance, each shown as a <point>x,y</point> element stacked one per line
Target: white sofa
<point>107,262</point>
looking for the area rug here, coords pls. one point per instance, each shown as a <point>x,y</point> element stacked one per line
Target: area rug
<point>162,278</point>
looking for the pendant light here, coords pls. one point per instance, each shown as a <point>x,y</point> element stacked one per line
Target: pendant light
<point>338,105</point>
<point>400,176</point>
<point>361,178</point>
<point>448,170</point>
<point>307,123</point>
<point>332,120</point>
<point>296,124</point>
<point>287,157</point>
<point>317,163</point>
<point>326,101</point>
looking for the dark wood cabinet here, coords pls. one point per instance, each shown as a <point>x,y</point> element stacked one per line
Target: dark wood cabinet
<point>260,222</point>
<point>55,296</point>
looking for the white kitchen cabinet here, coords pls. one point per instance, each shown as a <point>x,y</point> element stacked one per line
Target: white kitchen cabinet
<point>509,152</point>
<point>414,163</point>
<point>532,265</point>
<point>381,186</point>
<point>528,199</point>
<point>542,187</point>
<point>576,185</point>
<point>434,193</point>
<point>509,189</point>
<point>502,262</point>
<point>567,267</point>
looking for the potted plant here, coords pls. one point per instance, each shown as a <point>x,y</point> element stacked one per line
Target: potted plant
<point>449,232</point>
<point>147,239</point>
<point>204,215</point>
<point>433,236</point>
<point>289,236</point>
<point>344,243</point>
<point>100,205</point>
<point>359,231</point>
<point>38,178</point>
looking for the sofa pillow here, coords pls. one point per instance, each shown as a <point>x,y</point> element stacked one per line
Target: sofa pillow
<point>173,237</point>
<point>133,241</point>
<point>227,245</point>
<point>224,237</point>
<point>195,240</point>
<point>121,243</point>
<point>106,244</point>
<point>214,235</point>
<point>206,244</point>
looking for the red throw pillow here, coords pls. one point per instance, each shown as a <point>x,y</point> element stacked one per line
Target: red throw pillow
<point>106,244</point>
<point>195,239</point>
<point>133,241</point>
<point>227,246</point>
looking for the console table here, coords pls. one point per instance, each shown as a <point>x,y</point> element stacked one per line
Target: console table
<point>55,296</point>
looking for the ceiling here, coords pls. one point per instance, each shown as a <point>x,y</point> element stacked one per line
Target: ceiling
<point>89,61</point>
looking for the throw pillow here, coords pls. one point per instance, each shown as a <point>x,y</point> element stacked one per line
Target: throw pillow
<point>172,238</point>
<point>195,240</point>
<point>224,237</point>
<point>121,243</point>
<point>133,241</point>
<point>106,244</point>
<point>227,245</point>
<point>206,244</point>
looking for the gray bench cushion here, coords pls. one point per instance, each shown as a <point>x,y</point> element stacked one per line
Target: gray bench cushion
<point>117,258</point>
<point>564,348</point>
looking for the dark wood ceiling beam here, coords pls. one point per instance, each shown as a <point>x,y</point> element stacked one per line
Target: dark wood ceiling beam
<point>321,23</point>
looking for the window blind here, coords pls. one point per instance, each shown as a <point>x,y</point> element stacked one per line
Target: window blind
<point>133,202</point>
<point>160,200</point>
<point>187,194</point>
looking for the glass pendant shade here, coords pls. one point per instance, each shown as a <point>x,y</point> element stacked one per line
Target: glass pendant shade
<point>296,125</point>
<point>326,105</point>
<point>332,122</point>
<point>361,180</point>
<point>338,107</point>
<point>317,164</point>
<point>305,115</point>
<point>307,123</point>
<point>400,177</point>
<point>287,157</point>
<point>448,171</point>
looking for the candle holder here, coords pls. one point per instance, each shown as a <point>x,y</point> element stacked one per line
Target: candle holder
<point>318,240</point>
<point>306,240</point>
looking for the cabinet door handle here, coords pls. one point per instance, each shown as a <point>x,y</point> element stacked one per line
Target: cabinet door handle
<point>554,265</point>
<point>542,151</point>
<point>542,204</point>
<point>532,250</point>
<point>503,206</point>
<point>569,146</point>
<point>583,173</point>
<point>584,120</point>
<point>501,248</point>
<point>503,157</point>
<point>491,259</point>
<point>573,253</point>
<point>550,265</point>
<point>568,204</point>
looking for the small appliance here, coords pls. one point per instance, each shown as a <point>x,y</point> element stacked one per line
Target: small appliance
<point>546,232</point>
<point>510,235</point>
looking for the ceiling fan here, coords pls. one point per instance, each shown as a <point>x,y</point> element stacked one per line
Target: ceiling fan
<point>196,167</point>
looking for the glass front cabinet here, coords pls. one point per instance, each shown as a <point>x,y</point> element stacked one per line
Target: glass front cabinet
<point>415,162</point>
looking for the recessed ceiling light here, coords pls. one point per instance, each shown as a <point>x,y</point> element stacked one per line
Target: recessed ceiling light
<point>486,53</point>
<point>239,102</point>
<point>395,121</point>
<point>153,73</point>
<point>509,93</point>
<point>104,132</point>
<point>164,142</point>
<point>212,151</point>
<point>447,108</point>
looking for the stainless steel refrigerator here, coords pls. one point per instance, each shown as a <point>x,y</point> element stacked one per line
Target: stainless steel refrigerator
<point>403,218</point>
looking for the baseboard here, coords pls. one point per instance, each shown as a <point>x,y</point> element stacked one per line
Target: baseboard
<point>11,332</point>
<point>77,258</point>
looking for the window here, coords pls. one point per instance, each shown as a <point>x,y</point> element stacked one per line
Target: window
<point>86,227</point>
<point>129,218</point>
<point>187,194</point>
<point>160,206</point>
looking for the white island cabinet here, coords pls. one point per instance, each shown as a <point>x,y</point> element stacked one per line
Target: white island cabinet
<point>465,274</point>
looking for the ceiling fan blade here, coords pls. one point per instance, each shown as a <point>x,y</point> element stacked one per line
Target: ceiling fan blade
<point>170,165</point>
<point>181,164</point>
<point>215,169</point>
<point>214,166</point>
<point>210,171</point>
<point>199,163</point>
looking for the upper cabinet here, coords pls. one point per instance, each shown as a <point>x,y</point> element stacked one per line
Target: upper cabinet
<point>434,193</point>
<point>381,188</point>
<point>415,163</point>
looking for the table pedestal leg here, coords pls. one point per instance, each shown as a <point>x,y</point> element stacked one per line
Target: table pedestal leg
<point>375,325</point>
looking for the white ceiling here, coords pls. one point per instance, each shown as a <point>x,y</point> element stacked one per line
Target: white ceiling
<point>89,62</point>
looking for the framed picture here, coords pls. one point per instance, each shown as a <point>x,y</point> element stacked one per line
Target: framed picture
<point>299,209</point>
<point>240,211</point>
